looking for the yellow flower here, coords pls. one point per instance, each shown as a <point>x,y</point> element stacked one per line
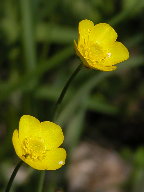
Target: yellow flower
<point>36,143</point>
<point>97,46</point>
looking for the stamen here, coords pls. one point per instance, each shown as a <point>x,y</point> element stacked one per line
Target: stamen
<point>34,148</point>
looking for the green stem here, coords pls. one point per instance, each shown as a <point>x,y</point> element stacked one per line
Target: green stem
<point>8,187</point>
<point>58,102</point>
<point>41,181</point>
<point>64,90</point>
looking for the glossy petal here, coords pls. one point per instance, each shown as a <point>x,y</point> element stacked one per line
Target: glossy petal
<point>85,26</point>
<point>117,53</point>
<point>29,126</point>
<point>102,67</point>
<point>16,143</point>
<point>80,55</point>
<point>54,160</point>
<point>52,134</point>
<point>103,34</point>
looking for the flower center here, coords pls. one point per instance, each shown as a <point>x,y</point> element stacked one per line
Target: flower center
<point>33,148</point>
<point>93,53</point>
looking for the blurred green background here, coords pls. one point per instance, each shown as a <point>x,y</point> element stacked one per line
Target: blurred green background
<point>106,108</point>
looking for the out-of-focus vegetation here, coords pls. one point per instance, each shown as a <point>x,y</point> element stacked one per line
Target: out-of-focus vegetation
<point>36,59</point>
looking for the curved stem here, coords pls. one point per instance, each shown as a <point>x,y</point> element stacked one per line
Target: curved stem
<point>58,102</point>
<point>64,90</point>
<point>8,187</point>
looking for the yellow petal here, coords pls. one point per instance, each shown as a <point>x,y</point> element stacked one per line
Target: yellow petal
<point>16,143</point>
<point>85,26</point>
<point>102,67</point>
<point>116,54</point>
<point>52,134</point>
<point>29,126</point>
<point>54,160</point>
<point>103,34</point>
<point>80,55</point>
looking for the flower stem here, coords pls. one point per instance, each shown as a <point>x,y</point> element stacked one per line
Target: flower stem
<point>8,187</point>
<point>41,181</point>
<point>57,104</point>
<point>64,90</point>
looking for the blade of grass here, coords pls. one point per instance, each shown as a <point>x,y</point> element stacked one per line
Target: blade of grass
<point>28,37</point>
<point>126,13</point>
<point>53,33</point>
<point>76,125</point>
<point>22,83</point>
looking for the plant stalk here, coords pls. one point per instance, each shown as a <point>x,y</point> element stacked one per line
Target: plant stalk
<point>10,182</point>
<point>64,90</point>
<point>57,104</point>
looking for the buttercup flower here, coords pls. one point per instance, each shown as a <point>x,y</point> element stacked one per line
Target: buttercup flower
<point>97,46</point>
<point>36,143</point>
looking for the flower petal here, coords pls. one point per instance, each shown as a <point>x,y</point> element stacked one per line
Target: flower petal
<point>117,53</point>
<point>16,143</point>
<point>52,134</point>
<point>85,26</point>
<point>80,55</point>
<point>102,67</point>
<point>103,34</point>
<point>54,160</point>
<point>29,126</point>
